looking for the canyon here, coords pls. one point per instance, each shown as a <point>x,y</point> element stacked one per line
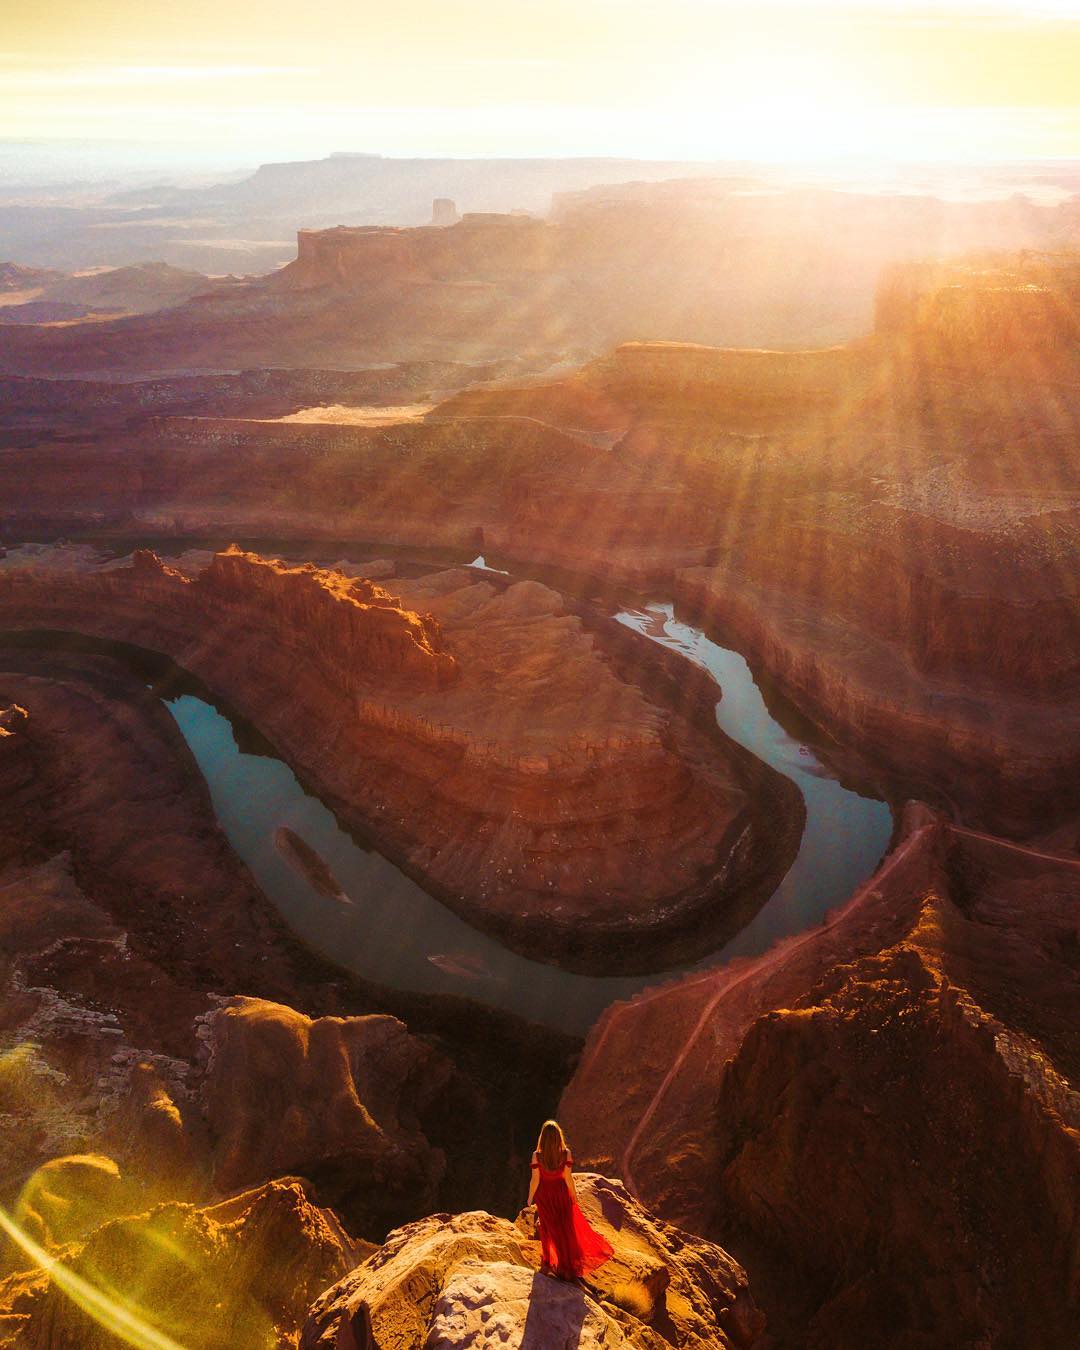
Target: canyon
<point>861,1129</point>
<point>129,925</point>
<point>441,1281</point>
<point>572,817</point>
<point>963,497</point>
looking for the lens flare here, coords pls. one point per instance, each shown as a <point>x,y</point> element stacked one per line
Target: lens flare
<point>120,1321</point>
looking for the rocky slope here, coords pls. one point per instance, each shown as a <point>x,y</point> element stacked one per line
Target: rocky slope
<point>472,1280</point>
<point>841,1109</point>
<point>337,1099</point>
<point>152,1003</point>
<point>487,737</point>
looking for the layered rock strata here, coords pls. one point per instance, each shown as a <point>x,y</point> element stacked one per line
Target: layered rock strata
<point>990,734</point>
<point>485,735</point>
<point>473,1280</point>
<point>929,1026</point>
<point>337,1099</point>
<point>890,527</point>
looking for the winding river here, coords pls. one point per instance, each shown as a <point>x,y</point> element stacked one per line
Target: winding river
<point>387,929</point>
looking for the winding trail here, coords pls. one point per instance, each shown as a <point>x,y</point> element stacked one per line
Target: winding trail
<point>1016,848</point>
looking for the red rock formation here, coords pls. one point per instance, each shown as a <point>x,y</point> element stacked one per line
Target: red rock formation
<point>350,626</point>
<point>336,1099</point>
<point>451,1279</point>
<point>888,1096</point>
<point>568,813</point>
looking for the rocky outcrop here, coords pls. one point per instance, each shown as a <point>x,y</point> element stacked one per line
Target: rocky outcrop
<point>240,1272</point>
<point>500,749</point>
<point>351,626</point>
<point>247,1090</point>
<point>480,247</point>
<point>336,1099</point>
<point>444,212</point>
<point>929,1027</point>
<point>473,1280</point>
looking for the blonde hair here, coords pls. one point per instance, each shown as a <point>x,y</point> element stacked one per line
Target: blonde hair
<point>551,1147</point>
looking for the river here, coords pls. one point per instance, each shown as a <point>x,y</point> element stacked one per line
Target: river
<point>389,930</point>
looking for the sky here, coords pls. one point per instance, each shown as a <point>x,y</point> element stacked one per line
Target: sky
<point>786,80</point>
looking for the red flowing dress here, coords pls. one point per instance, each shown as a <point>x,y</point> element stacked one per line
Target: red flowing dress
<point>570,1247</point>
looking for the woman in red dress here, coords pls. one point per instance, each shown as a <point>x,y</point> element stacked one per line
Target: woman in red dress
<point>569,1247</point>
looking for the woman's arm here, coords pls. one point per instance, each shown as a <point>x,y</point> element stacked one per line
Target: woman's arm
<point>534,1181</point>
<point>568,1177</point>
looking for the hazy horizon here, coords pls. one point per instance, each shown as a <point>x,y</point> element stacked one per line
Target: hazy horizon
<point>782,80</point>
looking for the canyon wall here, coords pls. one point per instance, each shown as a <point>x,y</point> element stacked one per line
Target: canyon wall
<point>496,747</point>
<point>890,527</point>
<point>790,266</point>
<point>478,246</point>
